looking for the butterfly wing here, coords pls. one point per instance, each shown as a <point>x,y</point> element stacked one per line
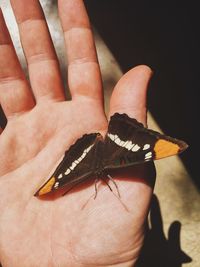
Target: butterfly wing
<point>76,166</point>
<point>128,142</point>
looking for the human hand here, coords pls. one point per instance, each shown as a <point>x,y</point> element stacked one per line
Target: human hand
<point>41,125</point>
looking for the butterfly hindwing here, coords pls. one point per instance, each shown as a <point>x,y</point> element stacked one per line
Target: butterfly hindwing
<point>75,166</point>
<point>128,142</point>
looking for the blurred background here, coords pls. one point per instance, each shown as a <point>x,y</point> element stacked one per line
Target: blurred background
<point>165,38</point>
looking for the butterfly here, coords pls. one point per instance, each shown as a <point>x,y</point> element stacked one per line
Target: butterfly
<point>126,143</point>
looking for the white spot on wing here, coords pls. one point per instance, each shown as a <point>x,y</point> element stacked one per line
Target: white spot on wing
<point>111,136</point>
<point>56,185</point>
<point>122,143</point>
<point>127,144</point>
<point>77,161</point>
<point>73,165</point>
<point>118,141</point>
<point>67,171</point>
<point>60,176</point>
<point>148,155</point>
<point>135,148</point>
<point>88,149</point>
<point>146,146</point>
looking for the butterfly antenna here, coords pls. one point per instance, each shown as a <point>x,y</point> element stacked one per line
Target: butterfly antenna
<point>115,184</point>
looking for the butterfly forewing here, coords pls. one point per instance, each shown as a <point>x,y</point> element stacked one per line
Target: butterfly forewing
<point>76,165</point>
<point>128,142</point>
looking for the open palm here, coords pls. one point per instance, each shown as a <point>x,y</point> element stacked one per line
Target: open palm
<point>73,230</point>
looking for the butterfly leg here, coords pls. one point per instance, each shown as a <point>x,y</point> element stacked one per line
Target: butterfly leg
<point>95,186</point>
<point>115,184</point>
<point>96,190</point>
<point>107,184</point>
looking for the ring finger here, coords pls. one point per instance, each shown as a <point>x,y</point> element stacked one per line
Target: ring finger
<point>83,69</point>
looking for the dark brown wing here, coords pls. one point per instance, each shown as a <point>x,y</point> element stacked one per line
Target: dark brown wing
<point>76,166</point>
<point>128,142</point>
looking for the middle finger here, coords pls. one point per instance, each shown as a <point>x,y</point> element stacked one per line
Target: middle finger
<point>83,69</point>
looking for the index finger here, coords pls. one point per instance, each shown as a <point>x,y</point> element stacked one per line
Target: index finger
<point>83,69</point>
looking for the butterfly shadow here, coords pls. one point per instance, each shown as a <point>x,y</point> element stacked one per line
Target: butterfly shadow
<point>2,121</point>
<point>159,250</point>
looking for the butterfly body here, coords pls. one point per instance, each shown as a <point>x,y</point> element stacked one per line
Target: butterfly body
<point>126,143</point>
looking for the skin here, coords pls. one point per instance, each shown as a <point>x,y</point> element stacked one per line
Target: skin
<point>73,230</point>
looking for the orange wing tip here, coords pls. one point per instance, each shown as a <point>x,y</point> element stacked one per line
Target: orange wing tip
<point>164,148</point>
<point>46,188</point>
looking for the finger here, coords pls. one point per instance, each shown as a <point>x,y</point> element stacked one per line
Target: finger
<point>15,94</point>
<point>83,68</point>
<point>41,57</point>
<point>129,95</point>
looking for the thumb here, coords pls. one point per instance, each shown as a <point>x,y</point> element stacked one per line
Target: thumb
<point>129,95</point>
